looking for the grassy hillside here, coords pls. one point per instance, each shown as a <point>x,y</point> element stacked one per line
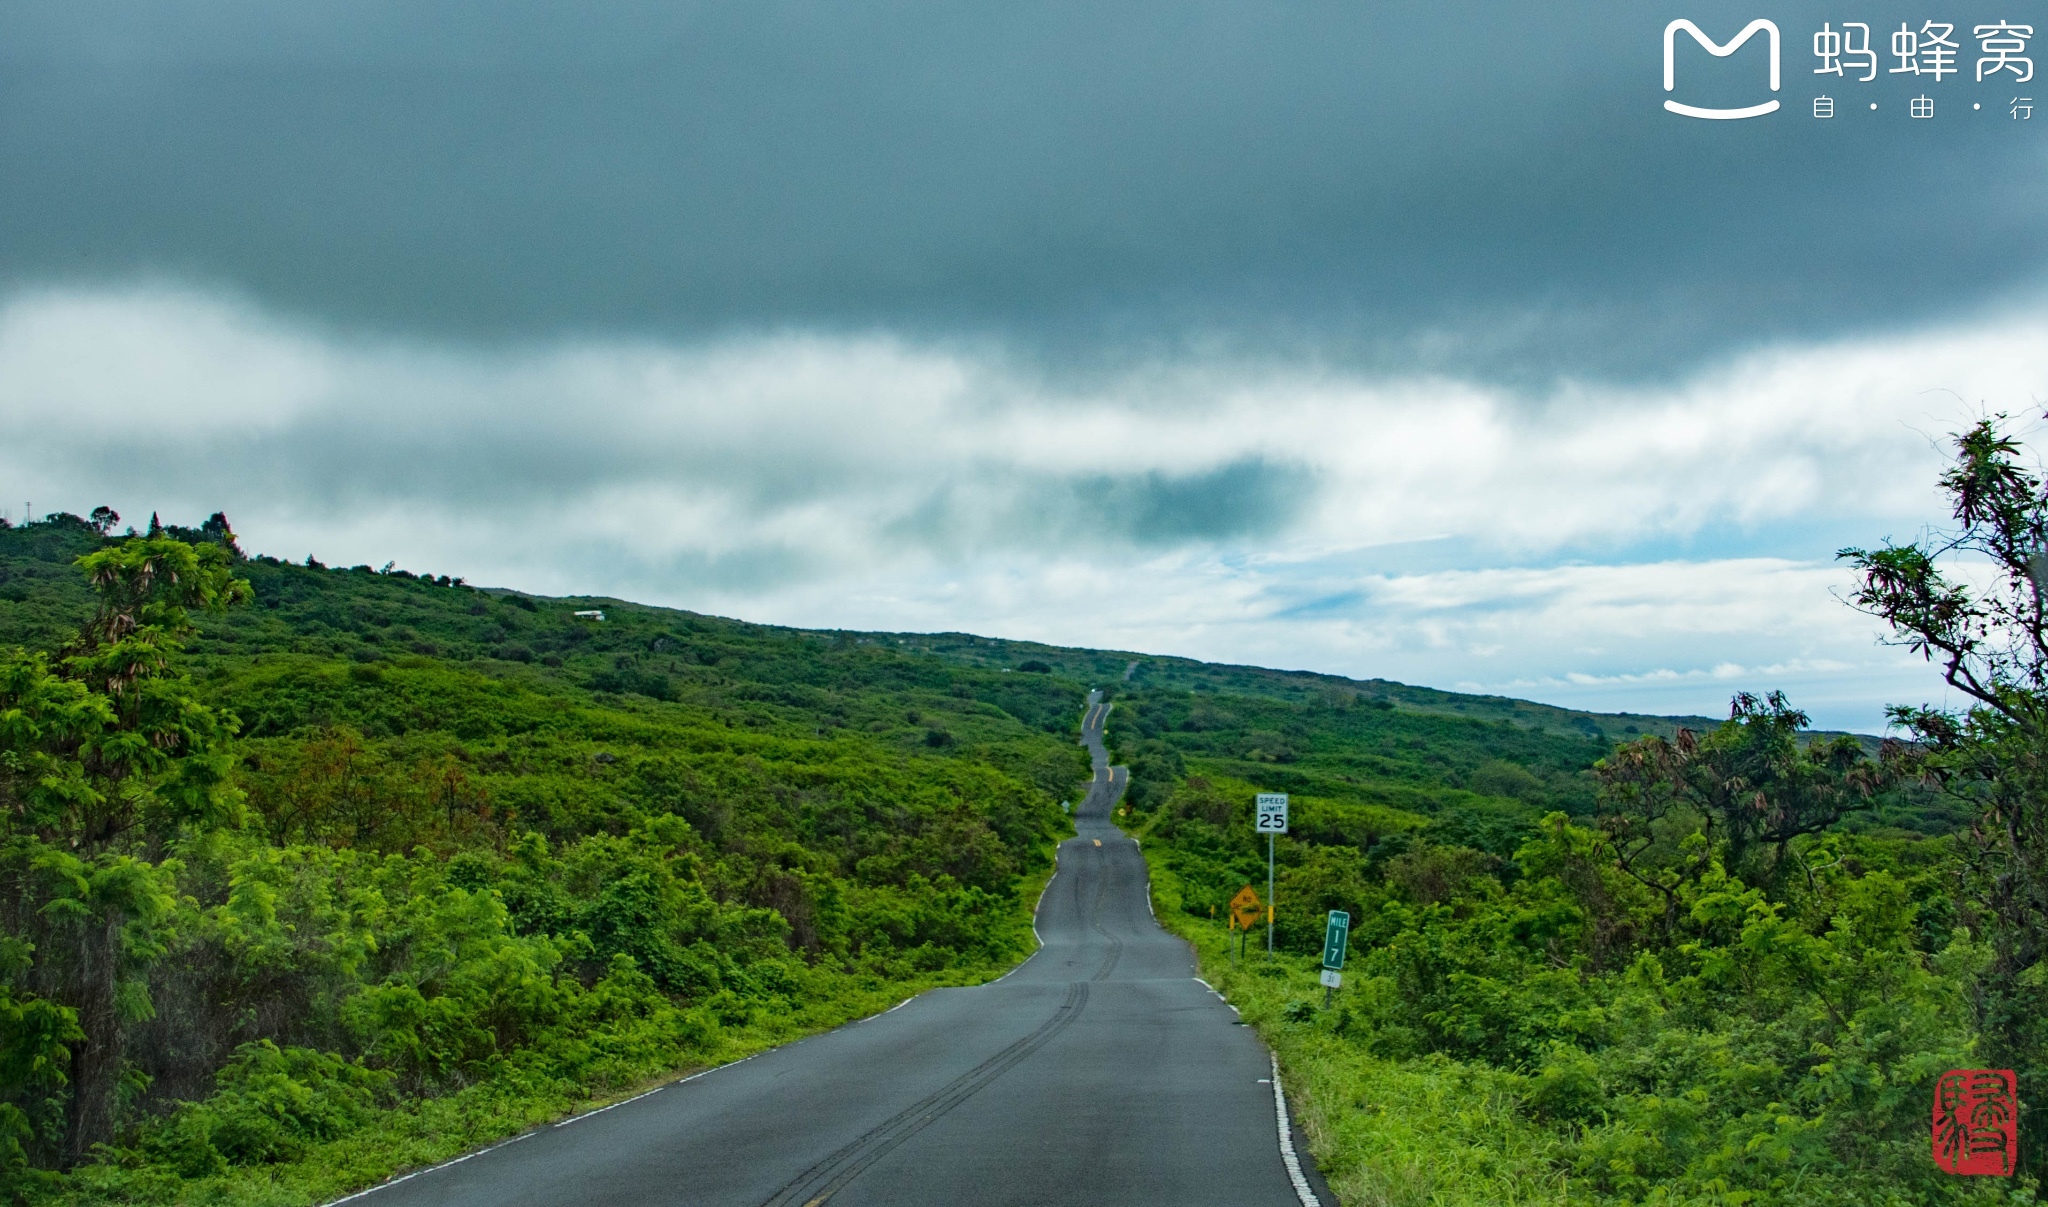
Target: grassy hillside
<point>366,616</point>
<point>1580,973</point>
<point>486,859</point>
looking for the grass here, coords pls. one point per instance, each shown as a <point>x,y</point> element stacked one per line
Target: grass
<point>429,1131</point>
<point>889,796</point>
<point>1384,1133</point>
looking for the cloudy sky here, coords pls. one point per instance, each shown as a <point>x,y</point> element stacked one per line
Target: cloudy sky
<point>1381,338</point>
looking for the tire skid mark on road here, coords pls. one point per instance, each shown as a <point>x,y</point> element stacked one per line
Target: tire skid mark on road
<point>1073,897</point>
<point>1116,945</point>
<point>829,1176</point>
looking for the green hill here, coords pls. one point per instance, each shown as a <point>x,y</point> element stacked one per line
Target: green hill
<point>366,616</point>
<point>493,858</point>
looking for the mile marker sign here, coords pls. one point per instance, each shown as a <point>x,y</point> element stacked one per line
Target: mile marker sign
<point>1272,812</point>
<point>1336,937</point>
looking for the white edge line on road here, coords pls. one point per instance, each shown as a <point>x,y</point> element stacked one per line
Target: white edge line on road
<point>857,1022</point>
<point>1301,1187</point>
<point>1041,901</point>
<point>1006,976</point>
<point>1219,997</point>
<point>714,1068</point>
<point>528,1135</point>
<point>601,1110</point>
<point>430,1169</point>
<point>1034,931</point>
<point>1034,927</point>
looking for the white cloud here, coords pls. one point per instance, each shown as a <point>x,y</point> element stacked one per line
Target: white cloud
<point>1436,530</point>
<point>80,365</point>
<point>1669,637</point>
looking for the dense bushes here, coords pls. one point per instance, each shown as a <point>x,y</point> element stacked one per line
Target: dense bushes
<point>1779,1050</point>
<point>456,884</point>
<point>1706,988</point>
<point>1717,966</point>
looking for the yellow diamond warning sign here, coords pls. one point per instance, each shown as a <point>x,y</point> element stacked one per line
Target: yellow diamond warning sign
<point>1244,908</point>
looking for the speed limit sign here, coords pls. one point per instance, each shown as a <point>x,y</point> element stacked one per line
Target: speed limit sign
<point>1272,813</point>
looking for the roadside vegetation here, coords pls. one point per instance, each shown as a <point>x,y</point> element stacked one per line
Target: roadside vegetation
<point>308,876</point>
<point>1720,966</point>
<point>311,875</point>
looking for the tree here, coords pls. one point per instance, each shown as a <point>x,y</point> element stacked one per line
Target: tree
<point>104,756</point>
<point>34,1035</point>
<point>216,530</point>
<point>1748,788</point>
<point>104,518</point>
<point>1991,646</point>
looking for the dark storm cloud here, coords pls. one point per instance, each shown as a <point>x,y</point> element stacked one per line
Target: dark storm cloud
<point>1250,498</point>
<point>1000,507</point>
<point>1468,184</point>
<point>760,466</point>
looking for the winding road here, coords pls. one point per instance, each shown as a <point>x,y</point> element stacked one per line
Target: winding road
<point>1099,1071</point>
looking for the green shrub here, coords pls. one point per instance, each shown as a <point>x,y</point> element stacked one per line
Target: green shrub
<point>272,1103</point>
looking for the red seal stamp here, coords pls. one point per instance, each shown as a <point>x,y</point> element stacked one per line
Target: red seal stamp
<point>1976,1122</point>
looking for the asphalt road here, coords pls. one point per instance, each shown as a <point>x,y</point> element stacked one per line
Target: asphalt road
<point>1099,1071</point>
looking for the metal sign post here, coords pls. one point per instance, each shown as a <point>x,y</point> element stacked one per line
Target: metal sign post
<point>1271,820</point>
